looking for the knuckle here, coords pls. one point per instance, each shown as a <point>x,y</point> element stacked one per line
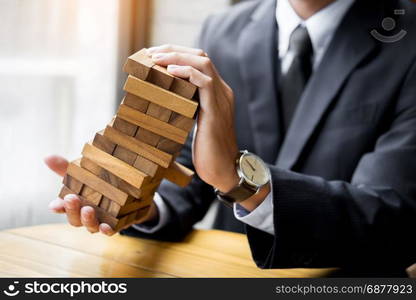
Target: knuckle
<point>175,55</point>
<point>209,82</point>
<point>206,61</point>
<point>200,52</point>
<point>229,93</point>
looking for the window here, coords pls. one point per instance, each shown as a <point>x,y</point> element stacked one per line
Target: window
<point>60,72</point>
<point>58,62</point>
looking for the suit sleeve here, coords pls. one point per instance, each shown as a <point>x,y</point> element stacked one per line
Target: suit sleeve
<point>185,206</point>
<point>367,221</point>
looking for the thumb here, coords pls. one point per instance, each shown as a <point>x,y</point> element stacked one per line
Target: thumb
<point>57,164</point>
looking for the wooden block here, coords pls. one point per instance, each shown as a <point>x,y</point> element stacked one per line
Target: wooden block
<point>125,127</point>
<point>143,62</point>
<point>147,193</point>
<point>139,65</point>
<point>103,143</point>
<point>96,183</point>
<point>91,166</point>
<point>159,112</point>
<point>141,215</point>
<point>142,134</point>
<point>181,122</point>
<point>161,158</point>
<point>120,224</point>
<point>183,88</point>
<point>91,195</point>
<point>148,137</point>
<point>65,191</point>
<point>120,211</point>
<point>147,200</point>
<point>169,146</point>
<point>105,203</point>
<point>152,124</point>
<point>136,102</point>
<point>126,209</point>
<point>73,184</point>
<point>159,76</point>
<point>134,215</point>
<point>112,121</point>
<point>151,188</point>
<point>102,215</point>
<point>125,155</point>
<point>115,166</point>
<point>114,209</point>
<point>126,220</point>
<point>161,97</point>
<point>146,166</point>
<point>159,177</point>
<point>179,174</point>
<point>120,184</point>
<point>110,178</point>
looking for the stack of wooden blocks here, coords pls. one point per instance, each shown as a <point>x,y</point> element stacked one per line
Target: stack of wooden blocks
<point>122,167</point>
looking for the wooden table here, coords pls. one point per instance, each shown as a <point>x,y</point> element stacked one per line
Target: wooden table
<point>59,250</point>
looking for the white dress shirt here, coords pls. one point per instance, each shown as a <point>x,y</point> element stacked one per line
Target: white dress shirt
<point>321,28</point>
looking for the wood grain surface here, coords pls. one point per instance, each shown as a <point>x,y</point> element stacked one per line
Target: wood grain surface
<point>59,250</point>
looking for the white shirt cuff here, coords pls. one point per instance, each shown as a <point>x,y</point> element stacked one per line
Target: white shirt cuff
<point>261,218</point>
<point>163,217</point>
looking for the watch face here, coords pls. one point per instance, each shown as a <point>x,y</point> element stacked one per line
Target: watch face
<point>254,170</point>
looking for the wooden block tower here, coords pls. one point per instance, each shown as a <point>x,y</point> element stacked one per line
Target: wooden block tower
<point>122,167</point>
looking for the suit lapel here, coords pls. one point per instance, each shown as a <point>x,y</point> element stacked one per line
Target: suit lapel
<point>351,44</point>
<point>257,49</point>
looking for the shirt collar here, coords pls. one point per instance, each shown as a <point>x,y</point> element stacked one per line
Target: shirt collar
<point>321,26</point>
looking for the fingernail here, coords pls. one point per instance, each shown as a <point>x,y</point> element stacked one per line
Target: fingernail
<point>69,201</point>
<point>158,56</point>
<point>106,229</point>
<point>150,50</point>
<point>69,204</point>
<point>52,205</point>
<point>173,67</point>
<point>88,211</point>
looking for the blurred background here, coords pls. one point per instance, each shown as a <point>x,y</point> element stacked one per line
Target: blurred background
<point>61,80</point>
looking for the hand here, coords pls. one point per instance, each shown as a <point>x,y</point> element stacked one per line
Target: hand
<point>71,205</point>
<point>215,145</point>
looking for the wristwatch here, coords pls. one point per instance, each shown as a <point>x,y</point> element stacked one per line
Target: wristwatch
<point>253,174</point>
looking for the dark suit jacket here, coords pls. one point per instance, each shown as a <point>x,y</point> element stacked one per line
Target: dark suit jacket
<point>344,175</point>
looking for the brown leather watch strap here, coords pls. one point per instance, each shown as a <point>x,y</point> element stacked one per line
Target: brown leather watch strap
<point>237,194</point>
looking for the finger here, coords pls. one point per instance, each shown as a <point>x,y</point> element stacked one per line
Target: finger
<point>200,63</point>
<point>72,206</point>
<point>57,164</point>
<point>202,81</point>
<point>88,219</point>
<point>106,229</point>
<point>175,48</point>
<point>195,76</point>
<point>57,206</point>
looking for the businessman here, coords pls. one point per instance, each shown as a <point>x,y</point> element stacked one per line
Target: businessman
<point>307,132</point>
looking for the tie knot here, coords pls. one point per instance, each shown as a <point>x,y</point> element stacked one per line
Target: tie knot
<point>300,42</point>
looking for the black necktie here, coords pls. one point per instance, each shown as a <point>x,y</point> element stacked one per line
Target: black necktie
<point>294,81</point>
